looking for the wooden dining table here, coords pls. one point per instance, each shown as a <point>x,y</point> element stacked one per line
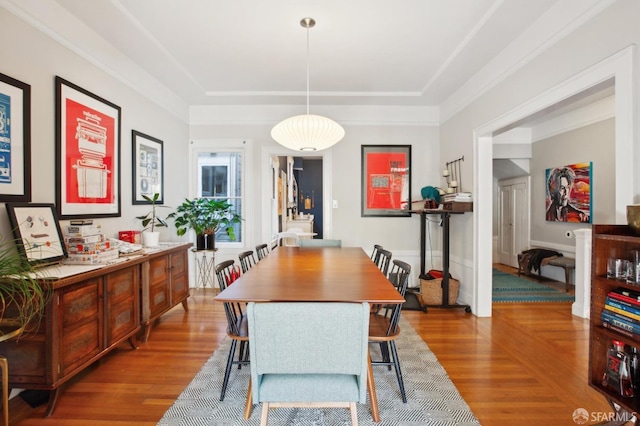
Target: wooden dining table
<point>316,274</point>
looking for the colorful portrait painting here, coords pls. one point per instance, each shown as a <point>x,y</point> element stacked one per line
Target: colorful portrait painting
<point>568,193</point>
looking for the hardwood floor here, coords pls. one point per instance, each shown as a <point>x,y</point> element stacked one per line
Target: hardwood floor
<point>525,365</point>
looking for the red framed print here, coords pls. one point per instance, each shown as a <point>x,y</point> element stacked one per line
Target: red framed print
<point>88,153</point>
<point>15,140</point>
<point>386,180</point>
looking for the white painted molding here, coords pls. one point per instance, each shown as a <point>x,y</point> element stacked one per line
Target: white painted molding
<point>581,307</point>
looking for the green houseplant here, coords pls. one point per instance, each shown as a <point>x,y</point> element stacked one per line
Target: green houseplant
<point>151,221</point>
<point>206,216</point>
<point>23,297</point>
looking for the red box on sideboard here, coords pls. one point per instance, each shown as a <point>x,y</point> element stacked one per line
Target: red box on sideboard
<point>132,237</point>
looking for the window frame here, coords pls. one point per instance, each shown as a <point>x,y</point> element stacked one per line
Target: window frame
<point>244,148</point>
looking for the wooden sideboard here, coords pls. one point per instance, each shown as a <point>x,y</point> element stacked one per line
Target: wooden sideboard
<point>91,313</point>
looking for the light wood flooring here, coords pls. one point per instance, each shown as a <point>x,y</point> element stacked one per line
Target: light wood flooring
<point>527,365</point>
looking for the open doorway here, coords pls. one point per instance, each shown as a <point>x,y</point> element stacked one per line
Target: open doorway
<point>618,68</point>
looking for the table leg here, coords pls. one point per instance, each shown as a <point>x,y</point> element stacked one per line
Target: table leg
<point>371,387</point>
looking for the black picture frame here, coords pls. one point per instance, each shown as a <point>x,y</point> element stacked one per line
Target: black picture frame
<point>15,140</point>
<point>147,167</point>
<point>386,180</point>
<point>36,229</point>
<point>87,153</point>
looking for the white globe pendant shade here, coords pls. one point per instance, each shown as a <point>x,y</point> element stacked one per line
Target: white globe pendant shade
<point>307,132</point>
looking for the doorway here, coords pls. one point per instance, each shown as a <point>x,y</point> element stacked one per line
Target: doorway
<point>617,68</point>
<point>513,219</point>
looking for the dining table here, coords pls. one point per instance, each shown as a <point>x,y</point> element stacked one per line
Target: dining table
<point>315,274</point>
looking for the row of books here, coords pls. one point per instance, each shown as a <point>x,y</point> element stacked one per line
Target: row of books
<point>622,312</point>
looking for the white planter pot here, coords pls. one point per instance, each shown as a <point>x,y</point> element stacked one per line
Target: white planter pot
<point>150,239</point>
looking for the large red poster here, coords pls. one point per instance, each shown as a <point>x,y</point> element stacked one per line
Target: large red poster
<point>386,180</point>
<point>90,151</point>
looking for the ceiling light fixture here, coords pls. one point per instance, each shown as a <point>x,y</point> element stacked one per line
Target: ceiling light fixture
<point>307,132</point>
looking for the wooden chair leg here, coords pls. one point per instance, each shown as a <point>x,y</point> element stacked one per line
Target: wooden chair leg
<point>371,388</point>
<point>354,413</point>
<point>265,414</point>
<point>4,368</point>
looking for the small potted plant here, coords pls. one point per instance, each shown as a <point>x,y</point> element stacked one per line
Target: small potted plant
<point>151,221</point>
<point>206,216</point>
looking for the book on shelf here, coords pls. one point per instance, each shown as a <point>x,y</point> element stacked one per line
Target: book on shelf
<point>618,313</point>
<point>619,305</point>
<point>618,329</point>
<point>619,322</point>
<point>626,295</point>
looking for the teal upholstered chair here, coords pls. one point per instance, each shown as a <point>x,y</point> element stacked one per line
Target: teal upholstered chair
<point>308,355</point>
<point>319,242</point>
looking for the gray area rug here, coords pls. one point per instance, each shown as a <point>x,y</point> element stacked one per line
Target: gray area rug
<point>432,399</point>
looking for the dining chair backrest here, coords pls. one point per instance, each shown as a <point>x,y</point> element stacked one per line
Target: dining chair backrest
<point>399,277</point>
<point>375,254</point>
<point>262,250</point>
<point>247,260</point>
<point>384,261</point>
<point>305,352</point>
<point>320,242</point>
<point>226,273</point>
<point>289,239</point>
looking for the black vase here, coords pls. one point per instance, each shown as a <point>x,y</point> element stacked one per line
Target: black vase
<point>205,242</point>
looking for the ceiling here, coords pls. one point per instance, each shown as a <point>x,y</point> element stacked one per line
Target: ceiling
<point>253,52</point>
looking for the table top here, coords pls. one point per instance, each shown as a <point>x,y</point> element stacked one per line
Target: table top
<point>313,274</point>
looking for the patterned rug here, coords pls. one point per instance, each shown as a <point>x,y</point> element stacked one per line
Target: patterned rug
<point>432,399</point>
<point>511,288</point>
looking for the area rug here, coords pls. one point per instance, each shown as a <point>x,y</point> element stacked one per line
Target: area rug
<point>511,288</point>
<point>432,399</point>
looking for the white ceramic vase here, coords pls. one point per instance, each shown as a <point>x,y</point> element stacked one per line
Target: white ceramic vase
<point>150,239</point>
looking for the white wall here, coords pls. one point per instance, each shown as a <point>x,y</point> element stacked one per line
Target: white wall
<point>32,57</point>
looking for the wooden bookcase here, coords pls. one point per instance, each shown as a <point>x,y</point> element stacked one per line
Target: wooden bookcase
<point>615,241</point>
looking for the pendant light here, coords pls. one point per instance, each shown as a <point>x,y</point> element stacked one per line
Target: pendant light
<point>307,132</point>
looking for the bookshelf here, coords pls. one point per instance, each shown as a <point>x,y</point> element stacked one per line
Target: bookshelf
<point>609,241</point>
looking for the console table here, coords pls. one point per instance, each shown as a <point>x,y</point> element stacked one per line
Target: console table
<point>90,313</point>
<point>445,215</point>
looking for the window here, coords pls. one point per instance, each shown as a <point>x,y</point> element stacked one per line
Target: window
<point>220,174</point>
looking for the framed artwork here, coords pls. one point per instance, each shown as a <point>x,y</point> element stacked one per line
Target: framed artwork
<point>15,140</point>
<point>87,153</point>
<point>37,232</point>
<point>386,180</point>
<point>148,170</point>
<point>568,193</point>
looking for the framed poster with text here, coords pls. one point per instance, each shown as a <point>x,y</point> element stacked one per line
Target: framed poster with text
<point>15,140</point>
<point>88,153</point>
<point>386,180</point>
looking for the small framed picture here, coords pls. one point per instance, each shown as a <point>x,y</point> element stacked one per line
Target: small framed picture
<point>386,180</point>
<point>37,232</point>
<point>148,170</point>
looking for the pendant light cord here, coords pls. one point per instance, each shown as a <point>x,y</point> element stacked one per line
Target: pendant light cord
<point>307,70</point>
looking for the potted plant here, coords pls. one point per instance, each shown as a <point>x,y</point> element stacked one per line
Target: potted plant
<point>206,216</point>
<point>151,221</point>
<point>23,297</point>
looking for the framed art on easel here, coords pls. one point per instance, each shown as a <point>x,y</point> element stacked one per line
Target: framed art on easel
<point>88,153</point>
<point>15,140</point>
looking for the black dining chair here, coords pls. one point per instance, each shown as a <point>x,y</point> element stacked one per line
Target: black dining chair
<point>384,260</point>
<point>375,254</point>
<point>384,328</point>
<point>237,328</point>
<point>247,260</point>
<point>262,250</point>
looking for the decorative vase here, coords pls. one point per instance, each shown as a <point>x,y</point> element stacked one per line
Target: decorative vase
<point>150,239</point>
<point>205,242</point>
<point>633,218</point>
